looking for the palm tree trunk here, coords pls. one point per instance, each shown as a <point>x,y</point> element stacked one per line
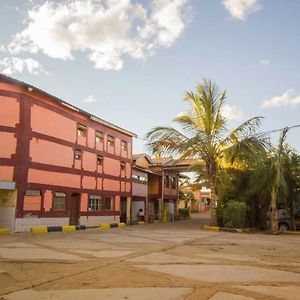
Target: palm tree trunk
<point>274,222</point>
<point>213,204</point>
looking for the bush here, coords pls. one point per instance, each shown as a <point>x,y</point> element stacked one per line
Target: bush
<point>234,214</point>
<point>183,213</point>
<point>219,212</point>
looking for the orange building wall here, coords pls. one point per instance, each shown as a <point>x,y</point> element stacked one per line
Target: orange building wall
<point>53,178</point>
<point>99,183</point>
<point>8,144</point>
<point>89,182</point>
<point>123,186</point>
<point>111,185</point>
<point>128,187</point>
<point>9,112</point>
<point>89,161</point>
<point>91,137</point>
<point>6,173</point>
<point>51,153</point>
<point>128,170</point>
<point>48,200</point>
<point>84,202</point>
<point>117,203</point>
<point>117,146</point>
<point>53,124</point>
<point>129,147</point>
<point>112,166</point>
<point>32,203</point>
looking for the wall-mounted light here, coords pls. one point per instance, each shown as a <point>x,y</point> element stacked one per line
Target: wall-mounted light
<point>29,89</point>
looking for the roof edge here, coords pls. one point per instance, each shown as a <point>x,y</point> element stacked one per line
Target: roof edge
<point>29,87</point>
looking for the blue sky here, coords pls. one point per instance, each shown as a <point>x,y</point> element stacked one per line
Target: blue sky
<point>130,62</point>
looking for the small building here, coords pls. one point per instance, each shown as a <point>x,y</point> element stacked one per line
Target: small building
<point>146,188</point>
<point>59,165</point>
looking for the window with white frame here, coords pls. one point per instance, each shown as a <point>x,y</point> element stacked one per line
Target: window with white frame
<point>99,137</point>
<point>109,203</point>
<point>110,141</point>
<point>124,145</point>
<point>81,130</point>
<point>59,201</point>
<point>95,203</point>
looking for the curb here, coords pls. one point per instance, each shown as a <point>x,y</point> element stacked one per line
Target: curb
<point>112,225</point>
<point>232,230</point>
<point>66,228</point>
<point>69,228</point>
<point>137,223</point>
<point>290,232</point>
<point>4,231</point>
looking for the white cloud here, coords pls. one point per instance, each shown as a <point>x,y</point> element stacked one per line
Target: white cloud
<point>265,61</point>
<point>240,9</point>
<point>90,99</point>
<point>105,30</point>
<point>288,98</point>
<point>14,65</point>
<point>232,112</point>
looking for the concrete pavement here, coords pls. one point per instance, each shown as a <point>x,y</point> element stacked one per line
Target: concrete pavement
<point>168,261</point>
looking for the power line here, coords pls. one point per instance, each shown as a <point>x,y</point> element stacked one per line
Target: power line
<point>259,133</point>
<point>278,130</point>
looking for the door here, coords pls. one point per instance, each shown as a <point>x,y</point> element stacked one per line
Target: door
<point>74,209</point>
<point>123,209</point>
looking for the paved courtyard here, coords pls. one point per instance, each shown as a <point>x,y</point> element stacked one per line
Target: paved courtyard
<point>155,261</point>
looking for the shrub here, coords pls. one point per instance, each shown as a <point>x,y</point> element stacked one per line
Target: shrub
<point>234,214</point>
<point>184,213</point>
<point>219,212</point>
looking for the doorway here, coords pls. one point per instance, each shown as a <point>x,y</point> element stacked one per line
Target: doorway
<point>123,210</point>
<point>74,209</point>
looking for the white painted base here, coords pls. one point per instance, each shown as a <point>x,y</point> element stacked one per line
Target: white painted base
<point>24,224</point>
<point>90,221</point>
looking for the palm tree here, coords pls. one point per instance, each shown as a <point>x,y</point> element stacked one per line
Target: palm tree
<point>203,134</point>
<point>269,181</point>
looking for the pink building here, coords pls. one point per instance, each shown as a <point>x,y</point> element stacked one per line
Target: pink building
<point>59,165</point>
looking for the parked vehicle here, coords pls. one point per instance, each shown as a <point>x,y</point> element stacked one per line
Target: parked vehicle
<point>284,220</point>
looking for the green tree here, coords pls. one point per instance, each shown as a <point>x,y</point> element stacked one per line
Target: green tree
<point>203,135</point>
<point>269,179</point>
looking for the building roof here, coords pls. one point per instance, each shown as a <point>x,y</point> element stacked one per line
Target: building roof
<point>31,88</point>
<point>161,160</point>
<point>136,156</point>
<point>146,170</point>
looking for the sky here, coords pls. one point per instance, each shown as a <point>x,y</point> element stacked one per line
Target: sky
<point>131,61</point>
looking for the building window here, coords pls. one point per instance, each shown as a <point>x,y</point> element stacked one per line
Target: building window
<point>99,137</point>
<point>33,193</point>
<point>143,179</point>
<point>77,154</point>
<point>167,182</point>
<point>139,179</point>
<point>123,166</point>
<point>32,200</point>
<point>95,203</point>
<point>173,182</point>
<point>108,203</point>
<point>110,141</point>
<point>81,130</point>
<point>100,160</point>
<point>124,146</point>
<point>59,201</point>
